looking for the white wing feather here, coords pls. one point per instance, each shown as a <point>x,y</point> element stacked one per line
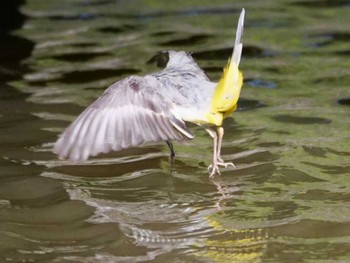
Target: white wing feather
<point>129,113</point>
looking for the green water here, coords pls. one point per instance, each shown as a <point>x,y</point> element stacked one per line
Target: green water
<point>287,200</point>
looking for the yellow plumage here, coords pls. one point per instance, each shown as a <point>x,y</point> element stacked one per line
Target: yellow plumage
<point>226,94</point>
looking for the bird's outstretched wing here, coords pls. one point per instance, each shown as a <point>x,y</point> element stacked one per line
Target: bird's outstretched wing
<point>129,113</point>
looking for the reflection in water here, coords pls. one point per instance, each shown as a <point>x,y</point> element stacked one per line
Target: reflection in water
<point>240,246</point>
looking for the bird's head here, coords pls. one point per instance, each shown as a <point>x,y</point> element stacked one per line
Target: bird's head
<point>171,58</point>
<point>179,58</point>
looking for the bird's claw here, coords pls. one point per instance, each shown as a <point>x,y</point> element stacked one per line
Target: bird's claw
<point>214,168</point>
<point>226,164</point>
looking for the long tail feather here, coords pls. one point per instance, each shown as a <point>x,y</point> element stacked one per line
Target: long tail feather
<point>237,51</point>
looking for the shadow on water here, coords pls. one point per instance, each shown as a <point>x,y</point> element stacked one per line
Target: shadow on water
<point>322,3</point>
<point>345,102</point>
<point>223,54</point>
<point>300,120</point>
<point>13,49</point>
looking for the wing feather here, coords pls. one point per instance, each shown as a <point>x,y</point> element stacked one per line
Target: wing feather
<point>129,113</point>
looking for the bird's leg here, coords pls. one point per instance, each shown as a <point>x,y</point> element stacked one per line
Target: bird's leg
<point>213,168</point>
<point>220,133</point>
<point>172,152</point>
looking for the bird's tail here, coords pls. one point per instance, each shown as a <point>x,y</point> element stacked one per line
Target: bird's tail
<point>237,51</point>
<point>229,87</point>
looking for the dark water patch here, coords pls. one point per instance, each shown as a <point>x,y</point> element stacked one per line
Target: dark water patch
<point>213,69</point>
<point>279,209</point>
<point>345,102</point>
<point>218,54</point>
<point>300,120</point>
<point>94,75</point>
<point>340,153</point>
<point>315,151</point>
<point>49,214</point>
<point>281,132</point>
<point>248,104</point>
<point>83,44</point>
<point>13,50</point>
<point>337,36</point>
<point>188,41</point>
<point>333,80</point>
<point>23,191</point>
<point>13,170</point>
<point>322,3</point>
<point>163,33</point>
<point>343,52</point>
<point>48,239</point>
<point>10,16</point>
<point>269,23</point>
<point>98,167</point>
<point>262,156</point>
<point>259,173</point>
<point>319,44</point>
<point>324,195</point>
<point>9,93</point>
<point>108,170</point>
<point>225,53</point>
<point>94,2</point>
<point>80,56</point>
<point>330,169</point>
<point>117,29</point>
<point>270,144</point>
<point>61,108</point>
<point>256,52</point>
<point>327,38</point>
<point>273,69</point>
<point>289,176</point>
<point>69,17</point>
<point>111,29</point>
<point>259,83</point>
<point>14,112</point>
<point>200,10</point>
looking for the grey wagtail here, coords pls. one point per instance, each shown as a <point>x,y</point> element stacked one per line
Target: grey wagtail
<point>156,107</point>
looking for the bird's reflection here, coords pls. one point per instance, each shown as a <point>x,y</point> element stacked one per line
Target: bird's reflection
<point>223,190</point>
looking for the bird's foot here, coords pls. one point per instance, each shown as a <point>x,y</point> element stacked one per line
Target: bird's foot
<point>214,168</point>
<point>226,164</point>
<point>221,162</point>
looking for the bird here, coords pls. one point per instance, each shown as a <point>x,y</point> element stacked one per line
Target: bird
<point>156,107</point>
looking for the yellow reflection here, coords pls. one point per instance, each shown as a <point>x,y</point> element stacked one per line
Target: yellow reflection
<point>231,244</point>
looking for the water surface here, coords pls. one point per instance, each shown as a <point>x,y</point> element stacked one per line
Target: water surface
<point>288,198</point>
